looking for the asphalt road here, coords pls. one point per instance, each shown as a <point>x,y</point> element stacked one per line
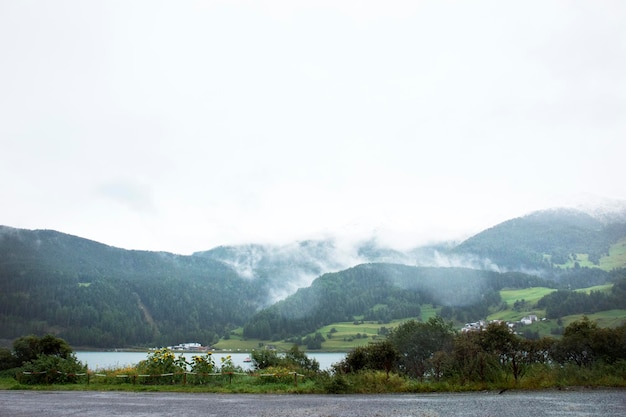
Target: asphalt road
<point>86,403</point>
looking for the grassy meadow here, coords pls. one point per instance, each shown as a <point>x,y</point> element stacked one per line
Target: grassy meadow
<point>615,259</point>
<point>345,336</point>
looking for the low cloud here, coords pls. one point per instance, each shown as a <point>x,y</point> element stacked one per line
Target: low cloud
<point>136,197</point>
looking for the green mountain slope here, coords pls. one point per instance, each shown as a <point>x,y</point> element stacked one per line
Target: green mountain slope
<point>385,292</point>
<point>543,240</point>
<point>97,295</point>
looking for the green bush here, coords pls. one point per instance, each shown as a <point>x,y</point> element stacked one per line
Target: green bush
<point>160,364</point>
<point>337,384</point>
<point>53,369</point>
<point>202,366</point>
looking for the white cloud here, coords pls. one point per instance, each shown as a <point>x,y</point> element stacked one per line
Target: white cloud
<point>226,122</point>
<point>132,195</point>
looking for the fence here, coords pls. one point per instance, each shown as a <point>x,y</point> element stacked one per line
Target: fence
<point>134,377</point>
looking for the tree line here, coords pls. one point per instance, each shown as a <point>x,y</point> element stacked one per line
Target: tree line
<point>434,351</point>
<point>385,292</point>
<point>566,302</point>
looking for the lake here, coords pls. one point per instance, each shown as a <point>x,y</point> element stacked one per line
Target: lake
<point>112,360</point>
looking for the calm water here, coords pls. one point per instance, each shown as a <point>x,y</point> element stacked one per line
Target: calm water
<point>110,360</point>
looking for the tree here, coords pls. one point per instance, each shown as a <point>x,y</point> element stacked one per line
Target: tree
<point>511,352</point>
<point>576,344</point>
<point>28,348</point>
<point>293,359</point>
<point>301,360</point>
<point>7,359</point>
<point>381,356</point>
<point>584,342</point>
<point>609,345</point>
<point>314,342</point>
<point>469,361</point>
<point>49,358</point>
<point>265,358</point>
<point>417,342</point>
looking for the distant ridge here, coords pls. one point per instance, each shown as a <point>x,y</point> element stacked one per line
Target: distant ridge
<point>97,295</point>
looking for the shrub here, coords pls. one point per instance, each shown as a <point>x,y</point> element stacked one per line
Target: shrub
<point>202,366</point>
<point>163,362</point>
<point>337,384</point>
<point>53,369</point>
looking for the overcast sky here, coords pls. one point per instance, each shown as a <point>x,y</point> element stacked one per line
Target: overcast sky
<point>184,125</point>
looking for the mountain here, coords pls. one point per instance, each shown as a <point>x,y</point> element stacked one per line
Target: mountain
<point>97,295</point>
<point>384,292</point>
<point>281,269</point>
<point>543,239</point>
<point>536,243</point>
<point>101,296</point>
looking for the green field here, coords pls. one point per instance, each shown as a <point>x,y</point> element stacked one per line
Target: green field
<point>616,258</point>
<point>530,295</point>
<point>609,318</point>
<point>345,336</point>
<point>600,288</point>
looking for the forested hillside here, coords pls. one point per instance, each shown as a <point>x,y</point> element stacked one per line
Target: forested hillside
<point>542,240</point>
<point>384,292</point>
<point>96,295</point>
<point>92,294</point>
<point>279,270</point>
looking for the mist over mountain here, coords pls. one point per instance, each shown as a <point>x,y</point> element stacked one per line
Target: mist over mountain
<point>384,292</point>
<point>281,269</point>
<point>540,240</point>
<point>96,295</point>
<point>533,243</point>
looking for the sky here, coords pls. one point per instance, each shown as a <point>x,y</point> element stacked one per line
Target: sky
<point>183,125</point>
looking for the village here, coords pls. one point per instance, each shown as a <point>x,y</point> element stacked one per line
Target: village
<point>482,324</point>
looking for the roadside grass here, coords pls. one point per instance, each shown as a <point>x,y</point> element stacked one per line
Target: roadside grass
<point>539,376</point>
<point>221,384</point>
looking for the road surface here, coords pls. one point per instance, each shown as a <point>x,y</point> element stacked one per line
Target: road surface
<point>523,404</point>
